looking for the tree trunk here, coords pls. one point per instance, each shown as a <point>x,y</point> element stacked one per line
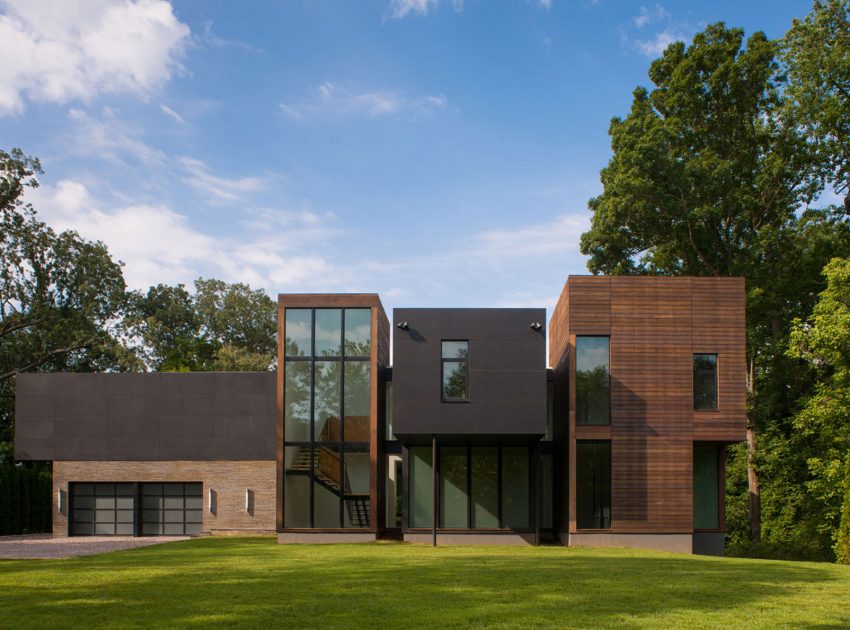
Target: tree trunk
<point>752,471</point>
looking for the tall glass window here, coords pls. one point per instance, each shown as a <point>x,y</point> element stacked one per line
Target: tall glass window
<point>421,496</point>
<point>455,372</point>
<point>593,484</point>
<point>706,487</point>
<point>327,411</point>
<point>480,487</point>
<point>453,493</point>
<point>485,487</point>
<point>593,387</point>
<point>515,487</point>
<point>705,381</point>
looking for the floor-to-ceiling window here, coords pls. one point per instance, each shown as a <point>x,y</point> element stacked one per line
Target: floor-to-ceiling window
<point>327,402</point>
<point>480,487</point>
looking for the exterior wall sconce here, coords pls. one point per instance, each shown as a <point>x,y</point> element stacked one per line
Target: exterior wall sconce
<point>62,501</point>
<point>402,325</point>
<point>536,326</point>
<point>249,501</point>
<point>212,501</point>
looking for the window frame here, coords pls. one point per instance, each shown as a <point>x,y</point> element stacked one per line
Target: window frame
<point>716,406</point>
<point>575,379</point>
<point>453,360</point>
<point>610,445</point>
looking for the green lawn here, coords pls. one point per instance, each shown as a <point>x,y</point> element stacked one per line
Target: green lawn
<point>255,582</point>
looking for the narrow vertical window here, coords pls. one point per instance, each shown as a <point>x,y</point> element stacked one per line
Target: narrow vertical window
<point>593,485</point>
<point>593,387</point>
<point>455,376</point>
<point>705,381</point>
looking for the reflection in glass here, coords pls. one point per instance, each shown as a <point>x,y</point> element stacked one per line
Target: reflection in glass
<point>485,487</point>
<point>453,497</point>
<point>593,485</point>
<point>388,411</point>
<point>421,487</point>
<point>358,328</point>
<point>328,332</point>
<point>394,491</point>
<point>357,476</point>
<point>455,349</point>
<point>547,480</point>
<point>357,401</point>
<point>296,504</point>
<point>326,417</point>
<point>297,400</point>
<point>706,487</point>
<point>515,486</point>
<point>705,381</point>
<point>299,333</point>
<point>593,400</point>
<point>327,488</point>
<point>455,380</point>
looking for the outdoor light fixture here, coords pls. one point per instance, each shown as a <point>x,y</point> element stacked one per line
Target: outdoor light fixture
<point>402,325</point>
<point>211,501</point>
<point>60,500</point>
<point>536,326</point>
<point>249,501</point>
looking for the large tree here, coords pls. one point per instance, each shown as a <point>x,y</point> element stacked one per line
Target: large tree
<point>60,295</point>
<point>708,175</point>
<point>220,326</point>
<point>817,56</point>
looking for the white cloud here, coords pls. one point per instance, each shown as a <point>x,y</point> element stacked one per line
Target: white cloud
<point>59,50</point>
<point>158,244</point>
<point>171,113</point>
<point>197,174</point>
<point>109,138</point>
<point>559,235</point>
<point>657,45</point>
<point>546,4</point>
<point>211,39</point>
<point>333,100</point>
<point>399,9</point>
<point>651,16</point>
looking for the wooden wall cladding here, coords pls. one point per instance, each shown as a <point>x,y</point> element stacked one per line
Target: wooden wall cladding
<point>656,324</point>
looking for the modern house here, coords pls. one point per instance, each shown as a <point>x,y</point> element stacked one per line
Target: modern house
<point>468,437</point>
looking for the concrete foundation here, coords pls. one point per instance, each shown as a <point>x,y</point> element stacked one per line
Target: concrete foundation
<point>472,538</point>
<point>678,543</point>
<point>322,537</point>
<point>709,543</point>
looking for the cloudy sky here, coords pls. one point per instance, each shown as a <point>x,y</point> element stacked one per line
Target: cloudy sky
<point>438,152</point>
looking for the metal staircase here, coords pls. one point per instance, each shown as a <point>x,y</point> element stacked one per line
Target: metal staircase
<point>327,475</point>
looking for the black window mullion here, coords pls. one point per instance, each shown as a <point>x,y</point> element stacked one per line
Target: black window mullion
<point>312,409</point>
<point>341,419</point>
<point>468,486</point>
<point>499,482</point>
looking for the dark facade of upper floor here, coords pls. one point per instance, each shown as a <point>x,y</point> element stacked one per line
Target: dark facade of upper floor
<point>467,372</point>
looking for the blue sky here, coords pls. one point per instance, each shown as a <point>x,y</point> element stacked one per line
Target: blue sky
<point>438,152</point>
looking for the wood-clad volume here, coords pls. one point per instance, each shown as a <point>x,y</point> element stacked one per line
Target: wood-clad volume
<point>379,360</point>
<point>655,325</point>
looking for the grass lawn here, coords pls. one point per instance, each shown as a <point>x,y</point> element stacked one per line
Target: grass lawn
<point>254,582</point>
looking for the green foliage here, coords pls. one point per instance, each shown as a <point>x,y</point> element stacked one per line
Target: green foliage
<point>220,327</point>
<point>25,501</point>
<point>824,420</point>
<point>842,547</point>
<point>817,55</point>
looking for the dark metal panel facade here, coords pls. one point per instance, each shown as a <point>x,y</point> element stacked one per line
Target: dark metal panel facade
<point>151,416</point>
<point>507,372</point>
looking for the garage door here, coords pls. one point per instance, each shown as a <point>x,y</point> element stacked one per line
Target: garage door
<point>102,509</point>
<point>112,509</point>
<point>171,509</point>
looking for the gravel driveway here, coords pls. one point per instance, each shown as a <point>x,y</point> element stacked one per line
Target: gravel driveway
<point>45,546</point>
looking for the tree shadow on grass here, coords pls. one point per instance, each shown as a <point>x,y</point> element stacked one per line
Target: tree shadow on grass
<point>255,582</point>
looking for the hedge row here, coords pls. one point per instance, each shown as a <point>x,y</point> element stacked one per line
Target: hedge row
<point>25,501</point>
